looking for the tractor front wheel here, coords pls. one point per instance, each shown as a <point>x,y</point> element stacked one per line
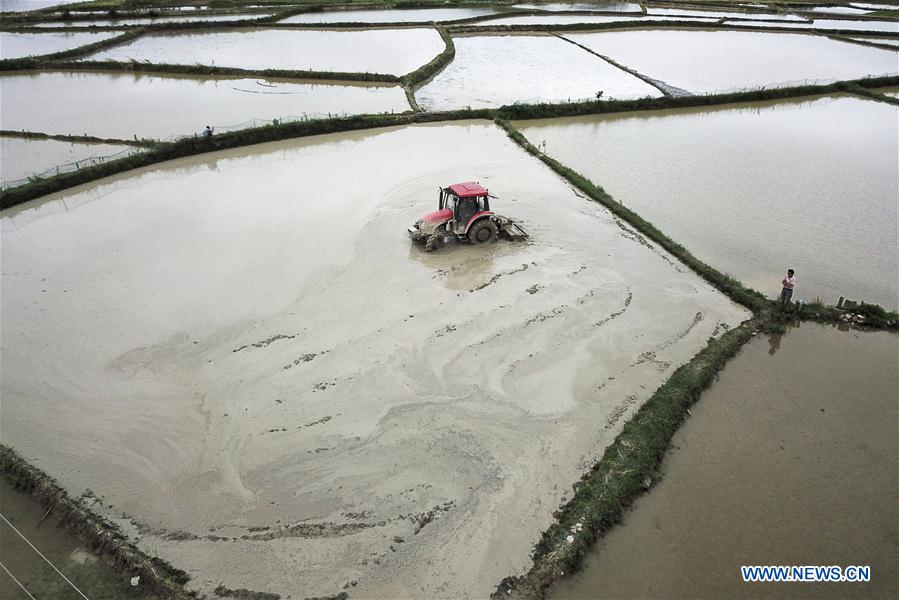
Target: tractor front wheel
<point>435,242</point>
<point>483,232</point>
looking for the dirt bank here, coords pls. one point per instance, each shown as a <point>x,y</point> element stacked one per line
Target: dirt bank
<point>244,355</point>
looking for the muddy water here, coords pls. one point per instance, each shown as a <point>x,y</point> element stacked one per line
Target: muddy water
<point>888,41</point>
<point>710,61</point>
<point>421,15</point>
<point>496,70</point>
<point>391,51</point>
<point>22,157</point>
<point>151,20</point>
<point>246,345</point>
<point>90,102</point>
<point>85,570</point>
<point>17,45</point>
<point>790,458</point>
<point>755,188</point>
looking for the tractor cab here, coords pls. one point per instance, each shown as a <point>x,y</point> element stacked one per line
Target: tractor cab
<point>465,201</point>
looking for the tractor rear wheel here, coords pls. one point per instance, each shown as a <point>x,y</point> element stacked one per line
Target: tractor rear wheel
<point>483,232</point>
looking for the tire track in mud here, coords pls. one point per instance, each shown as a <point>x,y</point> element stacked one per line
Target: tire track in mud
<point>266,342</point>
<point>650,355</point>
<point>640,239</point>
<point>498,276</point>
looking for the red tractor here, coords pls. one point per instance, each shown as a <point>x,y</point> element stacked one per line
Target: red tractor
<point>463,212</point>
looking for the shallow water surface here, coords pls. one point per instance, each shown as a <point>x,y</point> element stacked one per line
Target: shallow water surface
<point>843,24</point>
<point>201,18</point>
<point>66,552</point>
<point>410,15</point>
<point>23,5</point>
<point>210,331</point>
<point>391,51</point>
<point>599,6</point>
<point>17,45</point>
<point>790,458</point>
<point>23,157</point>
<point>568,19</point>
<point>712,61</point>
<point>753,189</point>
<point>90,103</point>
<point>496,70</point>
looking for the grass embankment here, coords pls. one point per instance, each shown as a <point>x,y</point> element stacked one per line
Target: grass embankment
<point>650,21</point>
<point>157,577</point>
<point>420,76</point>
<point>78,139</point>
<point>873,94</point>
<point>627,468</point>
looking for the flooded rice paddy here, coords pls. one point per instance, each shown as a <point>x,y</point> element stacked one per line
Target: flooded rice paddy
<point>843,24</point>
<point>410,15</point>
<point>713,61</point>
<point>755,188</point>
<point>86,571</point>
<point>23,5</point>
<point>496,70</point>
<point>23,157</point>
<point>790,458</point>
<point>390,51</point>
<point>90,103</point>
<point>597,6</point>
<point>434,407</point>
<point>201,18</point>
<point>569,19</point>
<point>18,45</point>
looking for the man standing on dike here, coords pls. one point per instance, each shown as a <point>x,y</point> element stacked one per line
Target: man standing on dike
<point>788,282</point>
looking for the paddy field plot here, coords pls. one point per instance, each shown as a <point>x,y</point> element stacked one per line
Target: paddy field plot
<point>18,45</point>
<point>715,61</point>
<point>190,18</point>
<point>24,157</point>
<point>569,19</point>
<point>23,5</point>
<point>818,448</point>
<point>251,335</point>
<point>493,70</point>
<point>161,106</point>
<point>844,24</point>
<point>755,188</point>
<point>598,6</point>
<point>411,15</point>
<point>390,51</point>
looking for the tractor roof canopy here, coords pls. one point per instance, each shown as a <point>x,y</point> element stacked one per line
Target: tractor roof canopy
<point>469,189</point>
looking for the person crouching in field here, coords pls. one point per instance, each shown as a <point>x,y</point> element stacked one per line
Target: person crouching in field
<point>788,282</point>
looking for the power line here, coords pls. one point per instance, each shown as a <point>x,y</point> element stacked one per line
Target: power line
<point>44,557</point>
<point>17,581</point>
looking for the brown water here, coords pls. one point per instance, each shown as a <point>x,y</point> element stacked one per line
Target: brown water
<point>390,51</point>
<point>88,573</point>
<point>161,106</point>
<point>490,71</point>
<point>710,61</point>
<point>755,188</point>
<point>22,157</point>
<point>246,345</point>
<point>17,45</point>
<point>411,15</point>
<point>790,458</point>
